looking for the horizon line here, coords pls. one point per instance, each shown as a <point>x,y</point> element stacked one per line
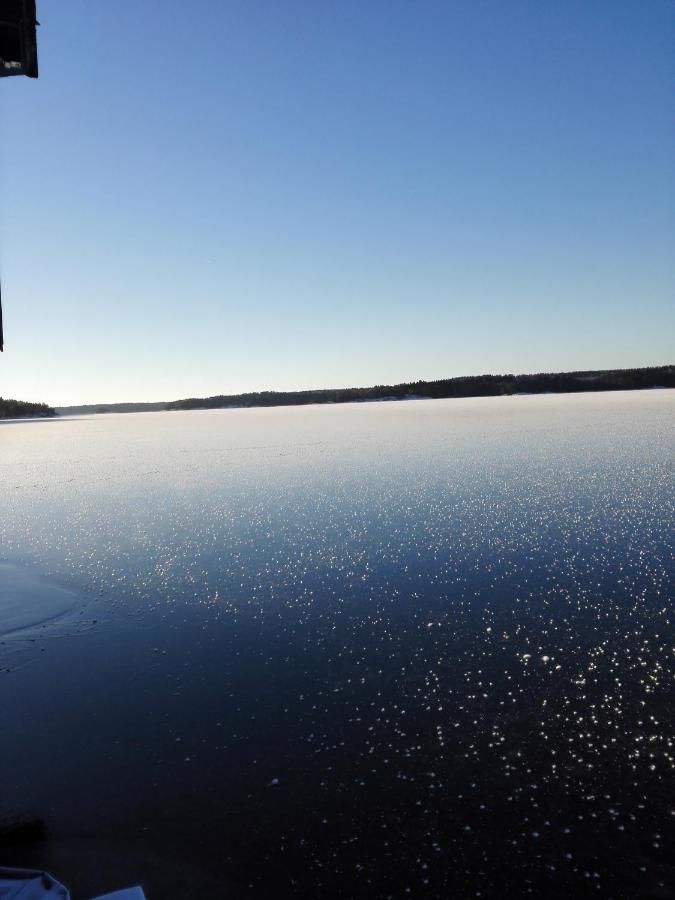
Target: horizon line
<point>393,385</point>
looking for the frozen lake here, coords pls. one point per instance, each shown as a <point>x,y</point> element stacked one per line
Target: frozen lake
<point>415,649</point>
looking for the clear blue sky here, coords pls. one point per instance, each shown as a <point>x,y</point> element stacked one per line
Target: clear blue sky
<point>221,196</point>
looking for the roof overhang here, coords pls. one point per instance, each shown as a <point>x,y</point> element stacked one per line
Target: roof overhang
<point>18,43</point>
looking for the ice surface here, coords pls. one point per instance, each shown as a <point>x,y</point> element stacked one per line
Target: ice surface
<point>28,600</point>
<point>443,630</point>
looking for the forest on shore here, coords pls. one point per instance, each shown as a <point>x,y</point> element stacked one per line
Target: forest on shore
<point>19,409</point>
<point>466,386</point>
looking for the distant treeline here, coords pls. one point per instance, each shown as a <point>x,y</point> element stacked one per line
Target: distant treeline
<point>467,386</point>
<point>95,408</point>
<point>19,409</point>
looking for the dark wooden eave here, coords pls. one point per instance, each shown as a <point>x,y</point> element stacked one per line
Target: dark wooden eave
<point>18,52</point>
<point>18,41</point>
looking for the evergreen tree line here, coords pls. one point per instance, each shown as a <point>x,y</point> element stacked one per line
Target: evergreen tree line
<point>19,409</point>
<point>466,386</point>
